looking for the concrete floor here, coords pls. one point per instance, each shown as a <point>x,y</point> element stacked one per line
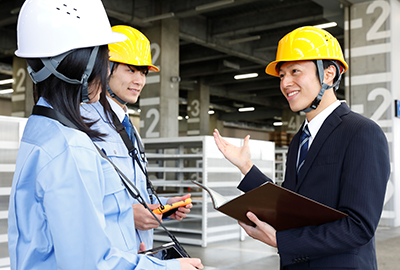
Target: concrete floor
<point>254,255</point>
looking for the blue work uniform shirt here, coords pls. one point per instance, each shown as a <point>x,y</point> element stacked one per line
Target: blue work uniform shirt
<point>68,207</point>
<point>115,149</point>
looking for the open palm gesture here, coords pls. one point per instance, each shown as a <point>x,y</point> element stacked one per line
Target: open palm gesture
<point>237,155</point>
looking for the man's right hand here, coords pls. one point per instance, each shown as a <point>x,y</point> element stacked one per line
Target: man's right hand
<point>144,220</point>
<point>238,156</point>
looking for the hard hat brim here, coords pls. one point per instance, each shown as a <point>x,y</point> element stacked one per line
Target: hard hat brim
<point>113,37</point>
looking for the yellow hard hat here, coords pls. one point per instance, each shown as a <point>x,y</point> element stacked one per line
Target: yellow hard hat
<point>134,51</point>
<point>307,43</point>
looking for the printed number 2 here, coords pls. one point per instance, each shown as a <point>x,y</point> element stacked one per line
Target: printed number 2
<point>374,33</point>
<point>21,74</point>
<point>150,133</point>
<point>155,52</point>
<point>385,105</point>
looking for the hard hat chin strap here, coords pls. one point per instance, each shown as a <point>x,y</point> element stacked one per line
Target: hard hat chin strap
<point>112,94</point>
<point>324,86</point>
<point>50,67</point>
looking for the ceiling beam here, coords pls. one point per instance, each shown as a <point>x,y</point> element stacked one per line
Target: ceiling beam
<point>267,19</point>
<point>6,69</point>
<point>245,98</point>
<point>221,48</point>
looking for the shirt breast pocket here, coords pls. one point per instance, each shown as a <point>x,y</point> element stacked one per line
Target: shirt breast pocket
<point>117,205</point>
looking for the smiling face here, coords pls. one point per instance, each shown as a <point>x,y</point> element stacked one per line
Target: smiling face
<point>299,83</point>
<point>127,82</point>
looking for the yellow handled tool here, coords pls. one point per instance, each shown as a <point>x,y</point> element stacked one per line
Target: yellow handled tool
<point>174,206</point>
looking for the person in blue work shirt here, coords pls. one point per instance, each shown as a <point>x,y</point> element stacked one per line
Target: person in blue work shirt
<point>68,208</point>
<point>338,158</point>
<point>130,62</point>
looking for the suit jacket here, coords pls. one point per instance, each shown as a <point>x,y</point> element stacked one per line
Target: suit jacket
<point>347,167</point>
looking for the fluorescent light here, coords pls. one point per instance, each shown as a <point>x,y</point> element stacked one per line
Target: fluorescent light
<point>215,4</point>
<point>326,25</point>
<point>277,124</point>
<point>246,109</point>
<point>245,76</point>
<point>6,91</point>
<point>134,111</point>
<point>7,81</point>
<point>211,112</point>
<point>180,118</point>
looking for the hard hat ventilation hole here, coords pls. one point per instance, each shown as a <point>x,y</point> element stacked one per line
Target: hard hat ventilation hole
<point>69,12</point>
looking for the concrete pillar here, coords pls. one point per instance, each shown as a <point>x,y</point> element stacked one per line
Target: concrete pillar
<point>22,97</point>
<point>198,104</point>
<point>159,101</point>
<point>372,83</point>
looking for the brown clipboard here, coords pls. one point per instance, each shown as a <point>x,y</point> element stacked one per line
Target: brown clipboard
<point>281,208</point>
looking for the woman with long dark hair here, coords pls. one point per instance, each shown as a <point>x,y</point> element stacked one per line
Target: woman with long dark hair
<point>68,208</point>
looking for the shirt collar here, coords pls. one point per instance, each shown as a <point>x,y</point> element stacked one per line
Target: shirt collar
<point>43,102</point>
<point>117,109</point>
<point>315,124</point>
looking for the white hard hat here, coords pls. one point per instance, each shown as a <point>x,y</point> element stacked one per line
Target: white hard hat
<point>48,28</point>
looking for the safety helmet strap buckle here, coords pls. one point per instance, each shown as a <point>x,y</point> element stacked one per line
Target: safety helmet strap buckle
<point>113,95</point>
<point>324,87</point>
<point>86,74</point>
<point>50,67</point>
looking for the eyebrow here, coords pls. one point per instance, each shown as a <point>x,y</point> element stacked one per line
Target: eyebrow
<point>289,66</point>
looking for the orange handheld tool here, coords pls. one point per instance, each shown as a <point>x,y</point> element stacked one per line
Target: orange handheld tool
<point>174,206</point>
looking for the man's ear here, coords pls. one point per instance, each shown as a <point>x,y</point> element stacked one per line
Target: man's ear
<point>329,74</point>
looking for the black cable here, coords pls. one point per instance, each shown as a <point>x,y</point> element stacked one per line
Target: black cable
<point>129,185</point>
<point>54,114</point>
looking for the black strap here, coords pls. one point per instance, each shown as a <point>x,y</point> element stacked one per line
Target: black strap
<point>133,152</point>
<point>53,114</point>
<point>140,199</point>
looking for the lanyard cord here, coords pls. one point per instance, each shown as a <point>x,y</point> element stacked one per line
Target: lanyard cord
<point>138,197</point>
<point>53,114</point>
<point>133,152</point>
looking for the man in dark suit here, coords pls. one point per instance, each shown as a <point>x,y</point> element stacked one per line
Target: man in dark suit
<point>346,164</point>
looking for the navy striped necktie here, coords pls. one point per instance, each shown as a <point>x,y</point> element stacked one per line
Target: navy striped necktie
<point>128,126</point>
<point>305,136</point>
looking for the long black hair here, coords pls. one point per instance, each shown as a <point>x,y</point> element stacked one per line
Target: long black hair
<point>65,97</point>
